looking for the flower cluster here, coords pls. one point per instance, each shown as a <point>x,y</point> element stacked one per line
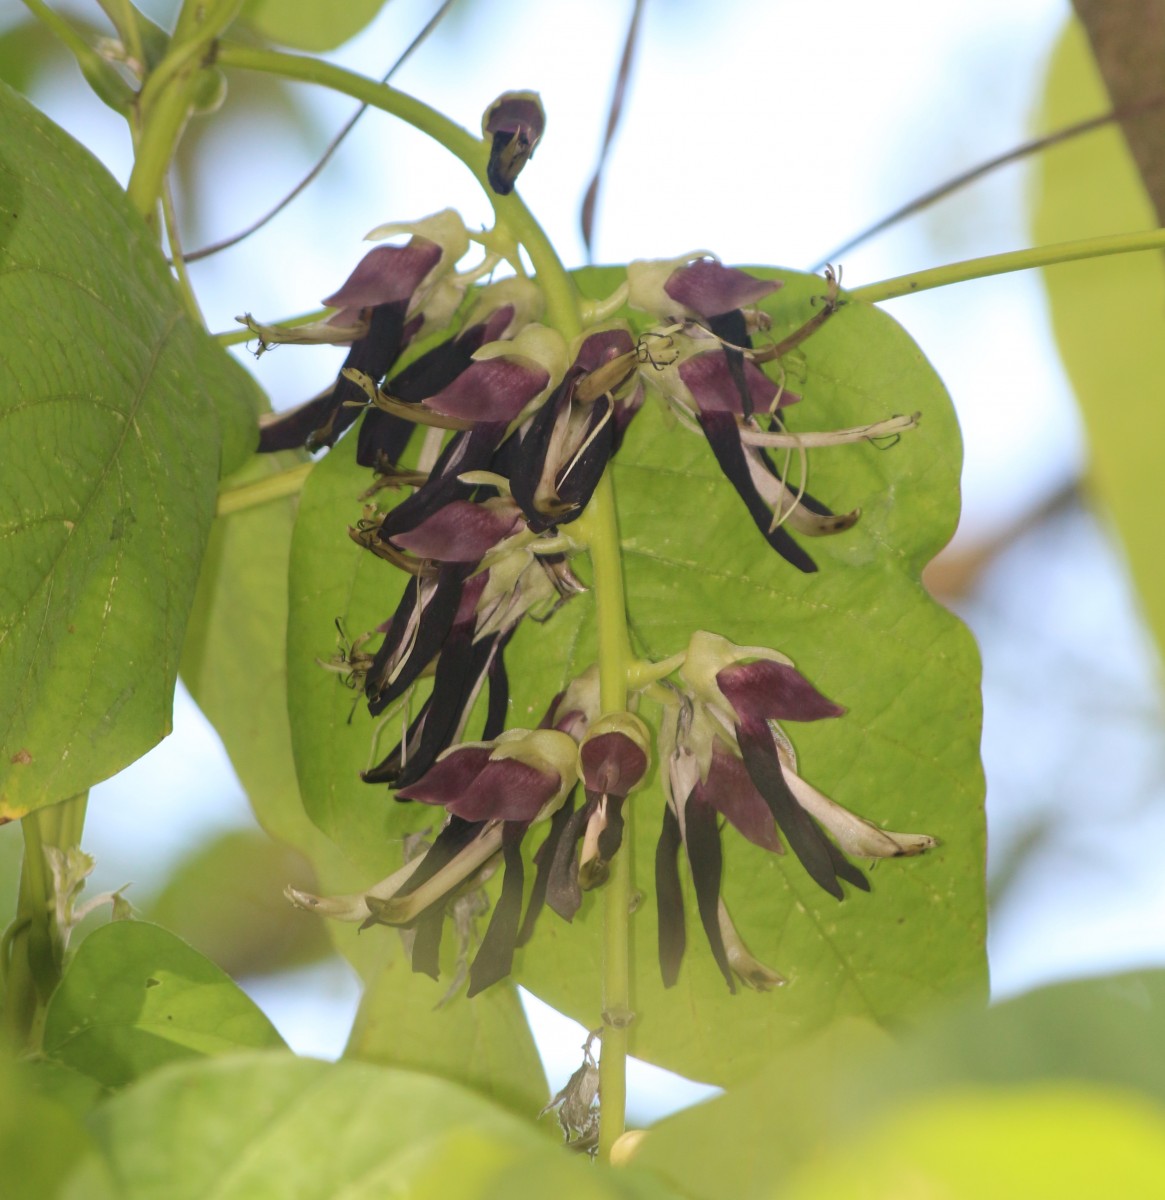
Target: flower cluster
<point>519,427</point>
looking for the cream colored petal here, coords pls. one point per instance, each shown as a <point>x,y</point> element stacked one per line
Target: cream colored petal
<point>854,834</point>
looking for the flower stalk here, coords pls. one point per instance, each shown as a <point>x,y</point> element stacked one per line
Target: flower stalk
<point>1003,264</point>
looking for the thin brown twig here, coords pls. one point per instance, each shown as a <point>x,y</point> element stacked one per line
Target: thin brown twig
<point>591,196</point>
<point>332,147</point>
<point>1001,160</point>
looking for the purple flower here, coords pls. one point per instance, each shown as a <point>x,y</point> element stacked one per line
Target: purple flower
<point>724,755</point>
<point>565,447</point>
<point>514,123</point>
<point>706,366</point>
<point>391,295</point>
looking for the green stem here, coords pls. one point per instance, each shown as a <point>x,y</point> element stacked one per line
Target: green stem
<point>1015,260</point>
<point>561,299</point>
<point>34,945</point>
<point>170,221</point>
<point>263,491</point>
<point>601,533</point>
<point>641,673</point>
<point>236,337</point>
<point>165,101</point>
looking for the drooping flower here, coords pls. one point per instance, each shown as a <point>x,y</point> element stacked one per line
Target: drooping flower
<point>746,689</point>
<point>386,296</point>
<point>513,123</point>
<point>500,312</point>
<point>565,448</point>
<point>722,754</point>
<point>706,366</point>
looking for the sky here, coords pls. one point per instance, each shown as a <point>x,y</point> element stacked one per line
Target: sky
<point>768,132</point>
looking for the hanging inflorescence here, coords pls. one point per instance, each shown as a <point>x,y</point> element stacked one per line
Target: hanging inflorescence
<point>518,427</point>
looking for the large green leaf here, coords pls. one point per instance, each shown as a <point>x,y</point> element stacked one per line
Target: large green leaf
<point>1042,1143</point>
<point>234,658</point>
<point>226,899</point>
<point>863,629</point>
<point>117,414</point>
<point>1106,313</point>
<point>307,24</point>
<point>134,997</point>
<point>487,1047</point>
<point>235,664</point>
<point>829,1097</point>
<point>42,1143</point>
<point>259,1126</point>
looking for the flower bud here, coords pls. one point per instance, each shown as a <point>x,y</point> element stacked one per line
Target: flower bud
<point>514,122</point>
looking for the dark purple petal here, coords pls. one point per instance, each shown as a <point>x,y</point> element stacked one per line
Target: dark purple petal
<point>709,288</point>
<point>320,422</point>
<point>449,779</point>
<point>723,436</point>
<point>602,347</point>
<point>772,691</point>
<point>386,274</point>
<point>516,112</point>
<point>459,532</point>
<point>492,390</point>
<point>496,956</point>
<point>702,839</point>
<point>817,854</point>
<point>426,953</point>
<point>730,791</point>
<point>436,620</point>
<point>611,835</point>
<point>709,377</point>
<point>506,790</point>
<point>382,440</point>
<point>612,764</point>
<point>563,893</point>
<point>576,481</point>
<point>669,899</point>
<point>543,861</point>
<point>498,707</point>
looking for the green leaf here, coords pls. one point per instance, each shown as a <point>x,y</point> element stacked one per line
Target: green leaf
<point>234,660</point>
<point>487,1047</point>
<point>308,25</point>
<point>1042,1143</point>
<point>42,1143</point>
<point>256,1126</point>
<point>1106,313</point>
<point>226,899</point>
<point>1082,1038</point>
<point>135,997</point>
<point>118,415</point>
<point>862,629</point>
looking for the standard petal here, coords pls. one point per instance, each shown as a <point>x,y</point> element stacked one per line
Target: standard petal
<point>386,274</point>
<point>461,531</point>
<point>715,387</point>
<point>771,691</point>
<point>492,390</point>
<point>708,288</point>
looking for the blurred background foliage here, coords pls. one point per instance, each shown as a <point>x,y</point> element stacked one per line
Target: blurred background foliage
<point>768,132</point>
